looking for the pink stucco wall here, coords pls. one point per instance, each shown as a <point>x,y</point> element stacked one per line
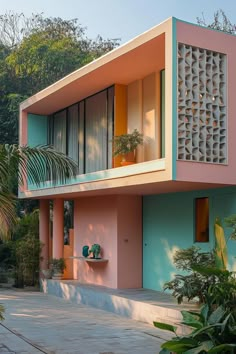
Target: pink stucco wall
<point>58,228</point>
<point>99,220</point>
<point>44,232</point>
<point>220,42</point>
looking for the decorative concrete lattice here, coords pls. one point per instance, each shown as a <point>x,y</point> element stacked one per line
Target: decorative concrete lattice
<point>202,130</point>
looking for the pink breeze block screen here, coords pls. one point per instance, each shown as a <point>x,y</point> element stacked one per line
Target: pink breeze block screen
<point>202,124</point>
<point>206,124</point>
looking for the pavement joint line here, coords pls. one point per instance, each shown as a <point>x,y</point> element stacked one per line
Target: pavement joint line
<point>154,335</point>
<point>43,350</point>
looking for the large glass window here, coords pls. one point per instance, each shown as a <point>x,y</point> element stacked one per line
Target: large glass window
<point>73,132</point>
<point>84,130</point>
<point>96,132</point>
<point>59,133</point>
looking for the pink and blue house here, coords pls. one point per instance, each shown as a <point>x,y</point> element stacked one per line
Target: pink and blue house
<point>176,84</point>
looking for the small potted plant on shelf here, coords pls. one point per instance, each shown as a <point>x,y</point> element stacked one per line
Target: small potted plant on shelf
<point>58,266</point>
<point>126,145</point>
<point>95,250</point>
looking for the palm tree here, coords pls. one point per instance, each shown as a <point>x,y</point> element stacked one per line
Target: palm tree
<point>34,164</point>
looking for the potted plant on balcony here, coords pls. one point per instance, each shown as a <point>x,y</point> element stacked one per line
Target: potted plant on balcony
<point>125,145</point>
<point>58,266</point>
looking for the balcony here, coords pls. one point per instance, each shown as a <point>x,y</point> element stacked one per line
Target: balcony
<point>120,92</point>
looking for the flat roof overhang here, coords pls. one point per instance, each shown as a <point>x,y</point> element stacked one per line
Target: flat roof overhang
<point>161,187</point>
<point>125,64</point>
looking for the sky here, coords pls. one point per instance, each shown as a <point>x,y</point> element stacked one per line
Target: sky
<point>124,19</point>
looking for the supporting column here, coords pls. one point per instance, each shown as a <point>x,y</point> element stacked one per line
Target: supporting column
<point>44,231</point>
<point>58,228</point>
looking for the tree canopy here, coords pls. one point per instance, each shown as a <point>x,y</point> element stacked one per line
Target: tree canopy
<point>35,52</point>
<point>220,22</point>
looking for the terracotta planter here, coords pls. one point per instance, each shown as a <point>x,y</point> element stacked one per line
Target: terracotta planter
<point>128,159</point>
<point>57,274</point>
<point>126,163</point>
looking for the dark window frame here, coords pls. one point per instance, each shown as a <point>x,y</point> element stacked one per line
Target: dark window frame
<point>201,220</point>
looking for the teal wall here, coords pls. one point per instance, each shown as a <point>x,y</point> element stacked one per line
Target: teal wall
<point>37,130</point>
<point>168,224</point>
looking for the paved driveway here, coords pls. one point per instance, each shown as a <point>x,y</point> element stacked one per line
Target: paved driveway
<point>39,323</point>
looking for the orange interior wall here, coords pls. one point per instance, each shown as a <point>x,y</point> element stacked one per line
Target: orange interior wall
<point>120,115</point>
<point>68,252</point>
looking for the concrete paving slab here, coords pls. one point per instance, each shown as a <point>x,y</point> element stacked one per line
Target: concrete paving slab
<point>52,325</point>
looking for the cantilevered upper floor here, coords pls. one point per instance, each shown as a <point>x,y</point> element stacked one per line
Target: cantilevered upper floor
<point>174,83</point>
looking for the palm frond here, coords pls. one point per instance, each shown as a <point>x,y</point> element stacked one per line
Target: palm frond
<point>44,163</point>
<point>7,214</point>
<point>37,164</point>
<point>34,164</point>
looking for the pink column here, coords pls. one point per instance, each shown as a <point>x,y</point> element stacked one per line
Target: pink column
<point>58,228</point>
<point>44,231</point>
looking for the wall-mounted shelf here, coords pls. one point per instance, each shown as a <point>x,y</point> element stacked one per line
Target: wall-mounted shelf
<point>92,260</point>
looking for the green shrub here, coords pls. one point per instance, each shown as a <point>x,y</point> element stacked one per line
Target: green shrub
<point>2,310</point>
<point>195,284</point>
<point>27,253</point>
<point>58,265</point>
<point>214,328</point>
<point>26,248</point>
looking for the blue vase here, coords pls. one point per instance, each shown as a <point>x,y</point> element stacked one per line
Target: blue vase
<point>85,251</point>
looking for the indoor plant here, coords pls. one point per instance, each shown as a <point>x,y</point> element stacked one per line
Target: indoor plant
<point>125,145</point>
<point>58,266</point>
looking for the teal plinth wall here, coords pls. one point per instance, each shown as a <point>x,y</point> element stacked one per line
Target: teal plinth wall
<point>37,130</point>
<point>168,224</point>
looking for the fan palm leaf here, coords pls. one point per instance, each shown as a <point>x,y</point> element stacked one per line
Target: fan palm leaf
<point>7,213</point>
<point>33,164</point>
<point>37,164</point>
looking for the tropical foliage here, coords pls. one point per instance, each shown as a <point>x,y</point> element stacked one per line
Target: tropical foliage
<point>214,328</point>
<point>213,332</point>
<point>230,222</point>
<point>26,250</point>
<point>20,256</point>
<point>194,284</point>
<point>202,267</point>
<point>125,143</point>
<point>220,250</point>
<point>35,164</point>
<point>2,310</point>
<point>35,52</point>
<point>58,265</point>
